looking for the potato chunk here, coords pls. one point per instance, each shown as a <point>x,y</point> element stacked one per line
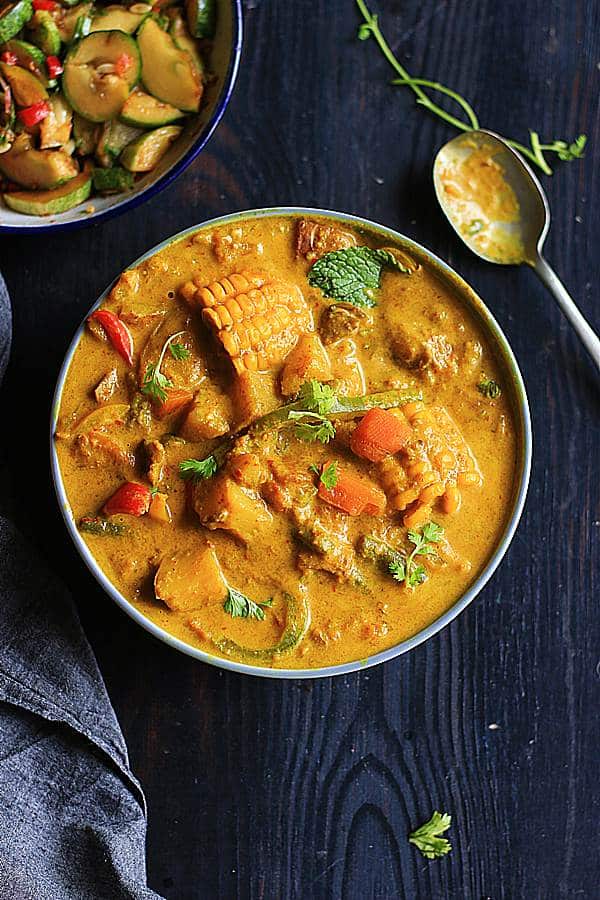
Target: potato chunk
<point>224,504</point>
<point>308,359</point>
<point>189,579</point>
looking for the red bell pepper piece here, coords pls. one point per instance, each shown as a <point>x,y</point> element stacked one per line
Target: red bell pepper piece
<point>44,4</point>
<point>353,495</point>
<point>122,63</point>
<point>117,331</point>
<point>131,499</point>
<point>31,115</point>
<point>54,66</point>
<point>9,58</point>
<point>380,433</point>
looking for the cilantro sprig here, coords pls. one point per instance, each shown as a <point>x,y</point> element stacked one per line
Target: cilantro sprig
<point>311,427</point>
<point>328,474</point>
<point>535,152</point>
<point>197,469</point>
<point>353,275</point>
<point>155,384</point>
<point>427,838</point>
<point>238,606</point>
<point>409,571</point>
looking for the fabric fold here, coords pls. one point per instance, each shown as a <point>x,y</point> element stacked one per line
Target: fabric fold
<point>72,815</point>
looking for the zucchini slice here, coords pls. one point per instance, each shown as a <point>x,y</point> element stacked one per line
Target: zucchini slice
<point>48,203</point>
<point>144,111</point>
<point>119,18</point>
<point>114,137</point>
<point>44,33</point>
<point>100,72</point>
<point>202,17</point>
<point>296,626</point>
<point>168,72</point>
<point>86,135</point>
<point>146,151</point>
<point>55,129</point>
<point>29,57</point>
<point>112,181</point>
<point>26,88</point>
<point>66,20</point>
<point>36,169</point>
<point>183,39</point>
<point>13,17</point>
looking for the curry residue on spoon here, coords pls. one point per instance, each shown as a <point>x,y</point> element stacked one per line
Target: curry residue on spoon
<point>481,202</point>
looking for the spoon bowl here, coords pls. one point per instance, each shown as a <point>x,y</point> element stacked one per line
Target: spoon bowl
<point>499,209</point>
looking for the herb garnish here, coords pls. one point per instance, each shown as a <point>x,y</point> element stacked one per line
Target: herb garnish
<point>198,468</point>
<point>489,388</point>
<point>178,351</point>
<point>328,475</point>
<point>238,606</point>
<point>534,152</point>
<point>155,384</point>
<point>410,572</point>
<point>317,397</point>
<point>317,428</point>
<point>427,838</point>
<point>353,274</point>
<point>475,226</point>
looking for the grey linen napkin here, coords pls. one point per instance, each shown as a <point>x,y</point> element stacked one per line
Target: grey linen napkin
<point>72,815</point>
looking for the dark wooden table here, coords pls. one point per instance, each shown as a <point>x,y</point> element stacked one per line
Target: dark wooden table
<point>260,789</point>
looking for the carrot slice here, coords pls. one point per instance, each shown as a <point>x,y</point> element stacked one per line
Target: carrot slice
<point>380,433</point>
<point>177,398</point>
<point>131,499</point>
<point>117,332</point>
<point>353,495</point>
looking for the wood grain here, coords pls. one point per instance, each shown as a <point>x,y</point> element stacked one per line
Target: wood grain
<point>307,790</point>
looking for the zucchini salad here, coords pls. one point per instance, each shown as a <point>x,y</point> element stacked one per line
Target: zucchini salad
<point>92,96</point>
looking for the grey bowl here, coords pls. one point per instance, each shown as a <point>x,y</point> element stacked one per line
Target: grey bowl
<point>524,450</point>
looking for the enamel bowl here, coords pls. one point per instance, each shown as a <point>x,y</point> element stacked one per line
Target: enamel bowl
<point>522,471</point>
<point>225,61</point>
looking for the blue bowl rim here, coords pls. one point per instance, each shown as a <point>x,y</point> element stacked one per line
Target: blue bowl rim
<point>519,496</point>
<point>177,168</point>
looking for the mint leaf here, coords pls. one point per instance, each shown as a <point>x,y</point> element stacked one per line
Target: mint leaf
<point>352,275</point>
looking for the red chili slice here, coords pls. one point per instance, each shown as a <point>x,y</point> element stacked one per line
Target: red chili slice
<point>118,333</point>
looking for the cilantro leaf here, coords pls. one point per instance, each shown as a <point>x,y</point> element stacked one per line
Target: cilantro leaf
<point>427,838</point>
<point>155,384</point>
<point>329,475</point>
<point>317,397</point>
<point>238,606</point>
<point>198,468</point>
<point>397,569</point>
<point>489,388</point>
<point>410,572</point>
<point>179,351</point>
<point>317,428</point>
<point>352,275</point>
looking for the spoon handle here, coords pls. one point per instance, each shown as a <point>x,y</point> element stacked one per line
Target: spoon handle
<point>585,332</point>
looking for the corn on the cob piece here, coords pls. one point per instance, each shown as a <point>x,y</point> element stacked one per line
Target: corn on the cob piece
<point>257,318</point>
<point>432,468</point>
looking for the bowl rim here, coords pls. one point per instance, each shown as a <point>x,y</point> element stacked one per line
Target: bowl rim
<point>177,168</point>
<point>522,471</point>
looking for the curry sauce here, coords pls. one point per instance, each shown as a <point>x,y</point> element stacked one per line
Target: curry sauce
<point>274,440</point>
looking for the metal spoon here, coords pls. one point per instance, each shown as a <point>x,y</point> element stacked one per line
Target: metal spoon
<point>515,238</point>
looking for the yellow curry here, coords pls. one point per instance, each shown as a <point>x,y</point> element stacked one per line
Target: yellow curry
<point>287,442</point>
